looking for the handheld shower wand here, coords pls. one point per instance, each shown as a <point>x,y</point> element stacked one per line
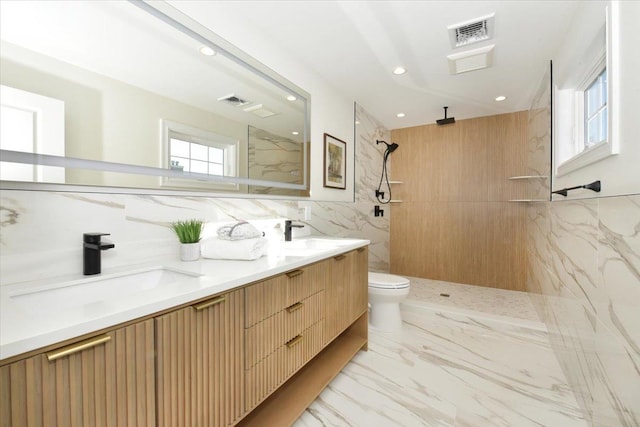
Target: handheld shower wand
<point>385,176</point>
<point>390,147</point>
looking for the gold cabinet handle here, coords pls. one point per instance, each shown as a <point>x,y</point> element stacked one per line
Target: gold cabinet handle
<point>293,341</point>
<point>75,348</point>
<point>209,303</point>
<point>361,249</point>
<point>294,273</point>
<point>294,307</point>
<point>339,257</point>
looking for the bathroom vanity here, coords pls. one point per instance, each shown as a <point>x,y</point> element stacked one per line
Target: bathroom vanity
<point>236,343</point>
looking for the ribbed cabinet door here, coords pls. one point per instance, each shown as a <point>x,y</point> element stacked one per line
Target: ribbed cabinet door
<point>200,364</point>
<point>336,297</point>
<point>359,288</point>
<point>109,384</point>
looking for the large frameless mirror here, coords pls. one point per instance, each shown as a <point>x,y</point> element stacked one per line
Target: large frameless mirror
<point>137,95</point>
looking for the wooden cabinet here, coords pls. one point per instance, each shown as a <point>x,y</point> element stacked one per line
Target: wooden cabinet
<point>284,328</point>
<point>106,380</point>
<point>200,363</point>
<point>279,292</point>
<point>346,291</point>
<point>291,376</point>
<point>358,283</point>
<point>252,356</point>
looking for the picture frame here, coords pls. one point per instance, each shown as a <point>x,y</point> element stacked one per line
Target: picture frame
<point>335,162</point>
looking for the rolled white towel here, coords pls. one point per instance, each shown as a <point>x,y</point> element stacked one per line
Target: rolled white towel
<point>247,249</point>
<point>238,231</point>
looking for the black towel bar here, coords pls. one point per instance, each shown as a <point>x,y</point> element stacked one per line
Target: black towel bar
<point>594,186</point>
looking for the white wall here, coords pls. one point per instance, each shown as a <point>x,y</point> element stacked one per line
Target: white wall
<point>620,174</point>
<point>331,111</point>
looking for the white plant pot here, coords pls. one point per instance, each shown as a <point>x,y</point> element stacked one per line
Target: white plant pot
<point>190,251</point>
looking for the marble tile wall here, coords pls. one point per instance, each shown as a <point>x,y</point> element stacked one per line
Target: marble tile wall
<point>539,141</point>
<point>41,232</point>
<point>584,277</point>
<point>585,264</point>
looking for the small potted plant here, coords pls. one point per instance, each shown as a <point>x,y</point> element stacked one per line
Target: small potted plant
<point>189,233</point>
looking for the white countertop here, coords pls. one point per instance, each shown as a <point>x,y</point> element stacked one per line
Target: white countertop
<point>27,324</point>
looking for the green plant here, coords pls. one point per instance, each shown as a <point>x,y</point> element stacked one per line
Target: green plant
<point>188,231</point>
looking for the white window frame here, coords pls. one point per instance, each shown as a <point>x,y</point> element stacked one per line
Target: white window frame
<point>605,107</point>
<point>192,134</point>
<point>603,149</point>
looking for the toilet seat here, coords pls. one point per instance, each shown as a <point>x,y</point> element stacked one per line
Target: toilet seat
<point>387,281</point>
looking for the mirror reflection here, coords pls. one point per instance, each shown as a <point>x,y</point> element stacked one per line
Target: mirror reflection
<point>108,81</point>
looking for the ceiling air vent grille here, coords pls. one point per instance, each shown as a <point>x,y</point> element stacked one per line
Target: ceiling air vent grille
<point>233,100</point>
<point>473,31</point>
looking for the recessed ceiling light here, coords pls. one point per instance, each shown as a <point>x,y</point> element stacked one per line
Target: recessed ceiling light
<point>500,98</point>
<point>401,115</point>
<point>399,70</point>
<point>207,51</point>
<point>291,98</point>
<point>295,133</point>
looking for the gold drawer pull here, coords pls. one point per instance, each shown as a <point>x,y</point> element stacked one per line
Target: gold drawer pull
<point>293,341</point>
<point>294,273</point>
<point>339,257</point>
<point>294,307</point>
<point>361,249</point>
<point>74,348</point>
<point>209,303</point>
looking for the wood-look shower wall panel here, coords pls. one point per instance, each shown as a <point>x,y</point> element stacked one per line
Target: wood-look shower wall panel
<point>418,183</point>
<point>441,240</point>
<point>507,144</point>
<point>440,163</point>
<point>506,246</point>
<point>415,251</point>
<point>455,222</point>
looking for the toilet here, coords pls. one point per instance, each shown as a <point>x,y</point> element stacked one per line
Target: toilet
<point>385,293</point>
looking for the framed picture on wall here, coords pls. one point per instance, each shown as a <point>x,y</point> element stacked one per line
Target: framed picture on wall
<point>335,162</point>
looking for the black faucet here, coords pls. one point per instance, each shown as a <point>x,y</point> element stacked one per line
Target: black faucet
<point>287,229</point>
<point>92,247</point>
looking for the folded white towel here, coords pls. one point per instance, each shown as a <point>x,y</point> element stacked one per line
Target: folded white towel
<point>247,249</point>
<point>238,231</point>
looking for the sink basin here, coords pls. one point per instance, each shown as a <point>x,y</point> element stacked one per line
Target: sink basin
<point>97,290</point>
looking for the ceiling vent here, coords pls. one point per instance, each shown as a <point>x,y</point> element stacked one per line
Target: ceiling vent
<point>473,31</point>
<point>471,60</point>
<point>260,111</point>
<point>232,99</point>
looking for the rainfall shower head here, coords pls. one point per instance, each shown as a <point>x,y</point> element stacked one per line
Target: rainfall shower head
<point>445,121</point>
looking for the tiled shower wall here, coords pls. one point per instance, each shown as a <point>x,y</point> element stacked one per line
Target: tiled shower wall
<point>41,231</point>
<point>584,275</point>
<point>585,265</point>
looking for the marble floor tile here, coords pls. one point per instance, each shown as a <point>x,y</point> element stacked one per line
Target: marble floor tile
<point>448,368</point>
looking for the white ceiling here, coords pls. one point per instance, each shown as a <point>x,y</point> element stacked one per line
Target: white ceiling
<point>355,45</point>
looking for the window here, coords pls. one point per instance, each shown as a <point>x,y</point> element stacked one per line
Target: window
<point>582,121</point>
<point>195,157</point>
<point>595,112</point>
<point>189,149</point>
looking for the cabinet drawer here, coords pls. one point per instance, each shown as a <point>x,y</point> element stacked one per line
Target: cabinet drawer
<point>265,337</point>
<point>267,298</point>
<point>271,372</point>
